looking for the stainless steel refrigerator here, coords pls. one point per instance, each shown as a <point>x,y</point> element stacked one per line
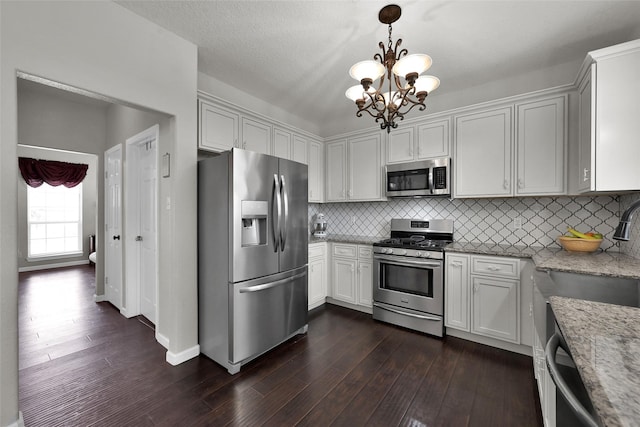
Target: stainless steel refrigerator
<point>252,255</point>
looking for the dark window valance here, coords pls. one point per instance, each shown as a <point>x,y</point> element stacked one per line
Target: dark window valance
<point>54,173</point>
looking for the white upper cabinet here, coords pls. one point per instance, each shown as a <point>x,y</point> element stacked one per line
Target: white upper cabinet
<point>365,167</point>
<point>540,147</point>
<point>299,148</point>
<point>354,168</point>
<point>482,154</point>
<point>315,160</point>
<point>433,140</point>
<point>256,136</point>
<point>281,143</point>
<point>609,90</point>
<point>218,127</point>
<point>336,171</point>
<point>424,141</point>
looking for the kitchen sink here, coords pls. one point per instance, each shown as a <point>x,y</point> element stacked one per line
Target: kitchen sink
<point>612,290</point>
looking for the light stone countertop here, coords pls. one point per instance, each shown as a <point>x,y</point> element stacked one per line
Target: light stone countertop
<point>604,341</point>
<point>345,238</point>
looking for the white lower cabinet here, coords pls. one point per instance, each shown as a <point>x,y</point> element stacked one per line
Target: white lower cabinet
<point>482,295</point>
<point>317,274</point>
<point>352,273</point>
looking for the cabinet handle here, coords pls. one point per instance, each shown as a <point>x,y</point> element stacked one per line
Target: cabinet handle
<point>244,145</point>
<point>349,193</point>
<point>456,264</point>
<point>493,268</point>
<point>475,288</point>
<point>585,176</point>
<point>411,150</point>
<point>506,184</point>
<point>520,183</point>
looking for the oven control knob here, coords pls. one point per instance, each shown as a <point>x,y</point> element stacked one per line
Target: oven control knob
<point>418,253</point>
<point>388,251</point>
<point>402,252</point>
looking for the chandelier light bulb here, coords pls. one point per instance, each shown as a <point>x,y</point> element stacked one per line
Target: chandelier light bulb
<point>416,64</point>
<point>356,92</point>
<point>364,70</point>
<point>426,84</point>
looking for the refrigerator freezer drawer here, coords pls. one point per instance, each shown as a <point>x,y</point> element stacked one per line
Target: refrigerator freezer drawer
<point>265,312</point>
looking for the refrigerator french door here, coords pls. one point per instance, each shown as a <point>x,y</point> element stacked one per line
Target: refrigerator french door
<point>252,258</point>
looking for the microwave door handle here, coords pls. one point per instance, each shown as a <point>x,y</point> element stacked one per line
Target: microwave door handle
<point>431,186</point>
<point>285,197</point>
<point>275,219</point>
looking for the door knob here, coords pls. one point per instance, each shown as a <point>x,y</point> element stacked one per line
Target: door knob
<point>116,237</point>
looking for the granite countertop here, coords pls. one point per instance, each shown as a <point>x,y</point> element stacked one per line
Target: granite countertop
<point>604,341</point>
<point>345,238</point>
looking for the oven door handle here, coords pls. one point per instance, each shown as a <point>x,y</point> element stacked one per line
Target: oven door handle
<point>407,262</point>
<point>404,313</point>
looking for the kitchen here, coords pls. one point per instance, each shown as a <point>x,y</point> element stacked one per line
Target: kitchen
<point>530,211</point>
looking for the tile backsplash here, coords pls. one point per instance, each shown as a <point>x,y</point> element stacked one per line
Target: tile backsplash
<point>542,219</point>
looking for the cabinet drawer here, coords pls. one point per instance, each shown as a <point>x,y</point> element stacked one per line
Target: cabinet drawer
<point>317,250</point>
<point>496,266</point>
<point>365,252</point>
<point>345,250</point>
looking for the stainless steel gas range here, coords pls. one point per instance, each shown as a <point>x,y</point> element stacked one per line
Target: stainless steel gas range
<point>408,278</point>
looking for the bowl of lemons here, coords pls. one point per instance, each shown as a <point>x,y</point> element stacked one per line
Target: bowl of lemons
<point>575,241</point>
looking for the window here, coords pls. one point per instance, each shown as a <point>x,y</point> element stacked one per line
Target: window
<point>54,220</point>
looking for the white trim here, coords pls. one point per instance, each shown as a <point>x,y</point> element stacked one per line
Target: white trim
<point>56,265</point>
<point>99,298</point>
<point>178,358</point>
<point>19,422</point>
<point>504,345</point>
<point>163,340</point>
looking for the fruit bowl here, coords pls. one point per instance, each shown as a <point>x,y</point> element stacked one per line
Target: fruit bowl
<point>577,244</point>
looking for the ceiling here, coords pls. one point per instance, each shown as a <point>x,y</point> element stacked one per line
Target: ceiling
<point>297,54</point>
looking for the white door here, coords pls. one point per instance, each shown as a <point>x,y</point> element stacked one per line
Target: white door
<point>113,225</point>
<point>142,228</point>
<point>148,227</point>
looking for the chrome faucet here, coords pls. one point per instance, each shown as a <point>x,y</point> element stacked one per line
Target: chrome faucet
<point>622,231</point>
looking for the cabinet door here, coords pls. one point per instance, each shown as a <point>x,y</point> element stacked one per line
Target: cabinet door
<point>299,149</point>
<point>433,140</point>
<point>281,144</point>
<point>343,278</point>
<point>456,313</point>
<point>256,136</point>
<point>586,124</point>
<point>316,172</point>
<point>365,168</point>
<point>541,147</point>
<point>218,128</point>
<point>495,308</point>
<point>317,282</point>
<point>482,159</point>
<point>400,145</point>
<point>336,178</point>
<point>365,283</point>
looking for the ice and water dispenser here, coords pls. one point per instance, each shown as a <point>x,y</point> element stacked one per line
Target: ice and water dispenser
<point>254,222</point>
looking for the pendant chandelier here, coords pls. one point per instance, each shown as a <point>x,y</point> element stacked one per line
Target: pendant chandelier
<point>405,88</point>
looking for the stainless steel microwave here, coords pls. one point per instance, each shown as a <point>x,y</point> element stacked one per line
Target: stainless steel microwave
<point>419,179</point>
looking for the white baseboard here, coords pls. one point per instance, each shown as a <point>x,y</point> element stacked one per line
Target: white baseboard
<point>361,308</point>
<point>516,348</point>
<point>164,341</point>
<point>99,298</point>
<point>19,422</point>
<point>55,265</point>
<point>183,356</point>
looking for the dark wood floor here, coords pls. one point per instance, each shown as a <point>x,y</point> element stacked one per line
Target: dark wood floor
<point>82,363</point>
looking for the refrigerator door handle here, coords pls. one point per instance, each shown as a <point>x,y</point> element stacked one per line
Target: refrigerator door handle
<point>283,230</point>
<point>275,219</point>
<point>258,288</point>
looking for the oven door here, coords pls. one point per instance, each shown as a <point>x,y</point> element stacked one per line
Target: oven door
<point>412,283</point>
